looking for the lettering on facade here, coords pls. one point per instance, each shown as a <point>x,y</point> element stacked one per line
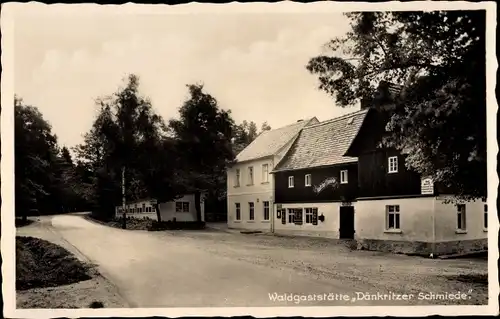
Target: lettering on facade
<point>427,186</point>
<point>330,181</point>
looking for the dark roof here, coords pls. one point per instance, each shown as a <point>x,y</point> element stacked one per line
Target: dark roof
<point>323,144</point>
<point>271,142</point>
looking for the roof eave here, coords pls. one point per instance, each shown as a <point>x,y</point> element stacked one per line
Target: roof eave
<point>254,159</point>
<point>314,167</point>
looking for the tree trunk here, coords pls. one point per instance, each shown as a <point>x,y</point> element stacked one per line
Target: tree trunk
<point>158,214</point>
<point>124,225</point>
<point>197,205</point>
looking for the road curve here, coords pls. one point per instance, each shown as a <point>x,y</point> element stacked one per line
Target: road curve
<point>170,271</point>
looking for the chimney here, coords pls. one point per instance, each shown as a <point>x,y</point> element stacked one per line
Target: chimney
<point>365,103</point>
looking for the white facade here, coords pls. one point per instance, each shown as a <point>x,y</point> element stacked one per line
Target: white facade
<point>424,224</point>
<point>247,192</point>
<point>182,210</point>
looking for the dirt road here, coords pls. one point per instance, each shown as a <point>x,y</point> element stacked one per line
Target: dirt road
<point>213,268</point>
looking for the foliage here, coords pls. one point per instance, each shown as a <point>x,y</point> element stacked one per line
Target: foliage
<point>203,139</point>
<point>203,131</point>
<point>127,135</point>
<point>43,171</point>
<point>245,133</point>
<point>438,118</point>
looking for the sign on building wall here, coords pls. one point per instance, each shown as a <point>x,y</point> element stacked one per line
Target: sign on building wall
<point>330,181</point>
<point>427,186</point>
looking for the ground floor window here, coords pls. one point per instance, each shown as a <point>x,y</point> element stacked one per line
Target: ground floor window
<point>282,214</point>
<point>311,216</point>
<point>295,216</point>
<point>392,217</point>
<point>238,211</point>
<point>291,216</point>
<point>266,210</point>
<point>251,211</point>
<point>461,218</point>
<point>182,207</point>
<point>485,216</point>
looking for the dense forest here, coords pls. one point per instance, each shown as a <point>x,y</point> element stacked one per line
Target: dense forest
<point>130,142</point>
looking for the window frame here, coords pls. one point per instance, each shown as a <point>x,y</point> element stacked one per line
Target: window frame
<point>396,212</point>
<point>307,180</point>
<point>461,217</point>
<point>291,181</point>
<point>265,173</point>
<point>344,173</point>
<point>485,216</point>
<point>291,215</point>
<point>268,210</point>
<point>250,176</point>
<point>237,178</point>
<point>391,169</point>
<point>251,211</point>
<point>237,211</point>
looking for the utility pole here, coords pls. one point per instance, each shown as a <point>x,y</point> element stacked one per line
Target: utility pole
<point>124,226</point>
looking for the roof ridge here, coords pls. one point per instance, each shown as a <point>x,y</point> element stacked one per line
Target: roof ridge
<point>335,119</point>
<point>293,124</point>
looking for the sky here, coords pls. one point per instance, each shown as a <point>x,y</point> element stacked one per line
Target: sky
<point>252,63</point>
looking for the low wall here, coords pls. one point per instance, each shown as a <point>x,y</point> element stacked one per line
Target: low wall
<point>424,248</point>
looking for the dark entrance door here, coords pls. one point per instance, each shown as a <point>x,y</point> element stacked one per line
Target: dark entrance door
<point>346,230</point>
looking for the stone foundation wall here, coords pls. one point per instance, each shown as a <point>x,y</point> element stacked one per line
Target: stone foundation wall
<point>307,233</point>
<point>424,248</point>
<point>461,246</point>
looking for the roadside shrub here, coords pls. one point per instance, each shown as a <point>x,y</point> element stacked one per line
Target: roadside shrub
<point>175,225</point>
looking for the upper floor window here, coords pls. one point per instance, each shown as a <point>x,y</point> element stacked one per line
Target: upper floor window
<point>250,175</point>
<point>343,177</point>
<point>393,164</point>
<point>265,173</point>
<point>290,182</point>
<point>308,180</point>
<point>237,178</point>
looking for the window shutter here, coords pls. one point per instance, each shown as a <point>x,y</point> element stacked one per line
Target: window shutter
<point>283,217</point>
<point>315,216</point>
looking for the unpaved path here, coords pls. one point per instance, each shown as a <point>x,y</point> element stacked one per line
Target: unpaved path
<point>210,268</point>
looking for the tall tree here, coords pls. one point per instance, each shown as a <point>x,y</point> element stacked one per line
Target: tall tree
<point>129,138</point>
<point>265,127</point>
<point>245,133</point>
<point>439,116</point>
<point>35,146</point>
<point>203,134</point>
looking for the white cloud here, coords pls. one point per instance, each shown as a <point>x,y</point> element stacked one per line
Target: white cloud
<point>260,76</point>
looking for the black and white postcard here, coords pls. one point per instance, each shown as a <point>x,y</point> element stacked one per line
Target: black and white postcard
<point>265,159</point>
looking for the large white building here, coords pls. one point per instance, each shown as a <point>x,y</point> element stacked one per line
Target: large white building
<point>250,186</point>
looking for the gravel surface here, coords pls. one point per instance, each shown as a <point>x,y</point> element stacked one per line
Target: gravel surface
<point>217,268</point>
<point>329,260</point>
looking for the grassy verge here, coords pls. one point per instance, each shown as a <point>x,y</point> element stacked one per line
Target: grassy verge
<point>41,264</point>
<point>48,276</point>
<point>21,223</point>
